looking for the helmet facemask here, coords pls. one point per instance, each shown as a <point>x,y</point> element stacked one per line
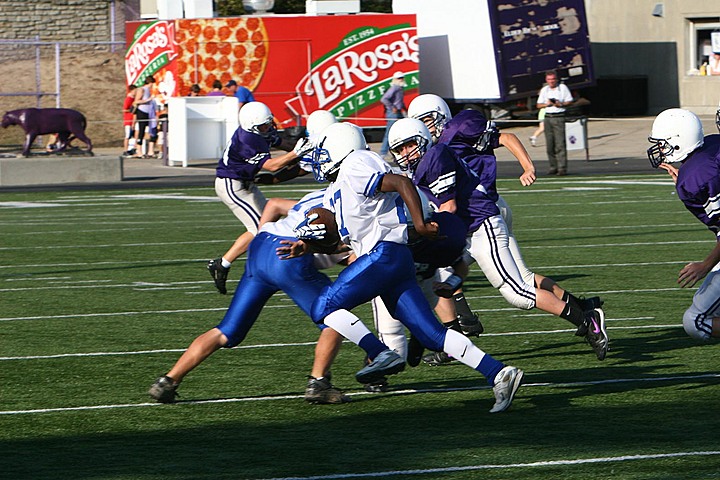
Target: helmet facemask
<point>412,154</point>
<point>486,138</point>
<point>435,122</point>
<point>660,151</point>
<point>267,130</point>
<point>323,167</point>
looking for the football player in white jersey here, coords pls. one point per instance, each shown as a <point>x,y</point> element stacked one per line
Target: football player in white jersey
<point>264,275</point>
<point>369,204</point>
<point>693,162</point>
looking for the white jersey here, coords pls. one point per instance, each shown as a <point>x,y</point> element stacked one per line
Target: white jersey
<point>284,227</point>
<point>365,215</point>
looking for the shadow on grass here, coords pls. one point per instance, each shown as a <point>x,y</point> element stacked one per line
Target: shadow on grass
<point>259,441</point>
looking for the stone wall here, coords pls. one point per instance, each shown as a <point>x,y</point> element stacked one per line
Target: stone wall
<point>58,21</point>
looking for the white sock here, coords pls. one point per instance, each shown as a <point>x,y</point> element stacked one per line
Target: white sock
<point>461,348</point>
<point>225,263</point>
<point>347,325</point>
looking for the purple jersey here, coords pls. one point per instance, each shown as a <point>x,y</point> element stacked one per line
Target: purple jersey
<point>698,183</point>
<point>461,133</point>
<point>443,177</point>
<point>244,156</point>
<point>429,255</point>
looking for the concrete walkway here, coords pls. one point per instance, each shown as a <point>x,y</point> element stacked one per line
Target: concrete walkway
<point>616,146</point>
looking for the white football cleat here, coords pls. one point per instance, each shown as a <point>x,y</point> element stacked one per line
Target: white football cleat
<point>506,384</point>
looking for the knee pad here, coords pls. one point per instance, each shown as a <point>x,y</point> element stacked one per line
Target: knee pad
<point>515,299</point>
<point>697,326</point>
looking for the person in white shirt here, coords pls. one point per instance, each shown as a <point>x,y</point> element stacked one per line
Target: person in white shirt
<point>554,97</point>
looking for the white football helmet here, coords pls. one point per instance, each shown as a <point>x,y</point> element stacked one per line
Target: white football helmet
<point>256,117</point>
<point>317,121</point>
<point>403,132</point>
<point>432,110</point>
<point>334,144</point>
<point>675,134</point>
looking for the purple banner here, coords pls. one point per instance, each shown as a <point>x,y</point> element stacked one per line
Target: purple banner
<point>534,36</point>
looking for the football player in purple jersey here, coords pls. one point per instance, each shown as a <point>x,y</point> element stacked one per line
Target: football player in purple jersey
<point>474,139</point>
<point>693,162</point>
<point>452,186</point>
<point>453,309</point>
<point>245,155</point>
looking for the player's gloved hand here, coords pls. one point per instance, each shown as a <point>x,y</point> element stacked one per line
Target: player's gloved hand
<point>308,231</point>
<point>303,147</point>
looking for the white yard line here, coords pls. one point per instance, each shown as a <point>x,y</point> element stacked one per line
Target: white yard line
<point>469,468</point>
<point>276,345</point>
<point>688,378</point>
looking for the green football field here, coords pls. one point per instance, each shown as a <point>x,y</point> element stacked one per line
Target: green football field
<point>101,291</point>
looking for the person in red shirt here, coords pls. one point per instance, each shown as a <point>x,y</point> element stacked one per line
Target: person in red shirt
<point>129,122</point>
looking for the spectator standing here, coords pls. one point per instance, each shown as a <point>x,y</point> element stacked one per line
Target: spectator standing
<point>129,122</point>
<point>554,97</point>
<point>394,102</point>
<point>216,89</point>
<point>241,93</point>
<point>145,108</point>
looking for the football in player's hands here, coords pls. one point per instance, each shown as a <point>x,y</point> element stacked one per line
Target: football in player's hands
<point>319,230</point>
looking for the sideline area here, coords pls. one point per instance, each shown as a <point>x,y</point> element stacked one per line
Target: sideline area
<point>616,145</point>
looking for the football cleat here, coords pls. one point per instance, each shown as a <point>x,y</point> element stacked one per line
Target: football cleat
<point>507,381</point>
<point>219,274</point>
<point>320,390</point>
<point>164,390</point>
<point>596,335</point>
<point>388,362</point>
<point>437,358</point>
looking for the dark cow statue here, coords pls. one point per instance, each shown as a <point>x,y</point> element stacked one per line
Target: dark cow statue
<point>67,123</point>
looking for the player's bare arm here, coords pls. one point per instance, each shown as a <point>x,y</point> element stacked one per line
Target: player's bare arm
<point>274,209</point>
<point>276,163</point>
<point>515,146</point>
<point>696,271</point>
<point>404,186</point>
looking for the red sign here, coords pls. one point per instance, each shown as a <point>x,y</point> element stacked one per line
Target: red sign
<point>294,63</point>
<point>152,48</point>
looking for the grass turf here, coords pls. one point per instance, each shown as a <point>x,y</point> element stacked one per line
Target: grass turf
<point>101,291</point>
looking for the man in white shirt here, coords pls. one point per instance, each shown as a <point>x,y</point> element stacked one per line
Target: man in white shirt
<point>554,97</point>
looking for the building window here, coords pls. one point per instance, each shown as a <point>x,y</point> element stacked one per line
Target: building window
<point>701,47</point>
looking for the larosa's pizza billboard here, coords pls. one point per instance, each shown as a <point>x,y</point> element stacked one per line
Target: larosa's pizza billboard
<point>293,63</point>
